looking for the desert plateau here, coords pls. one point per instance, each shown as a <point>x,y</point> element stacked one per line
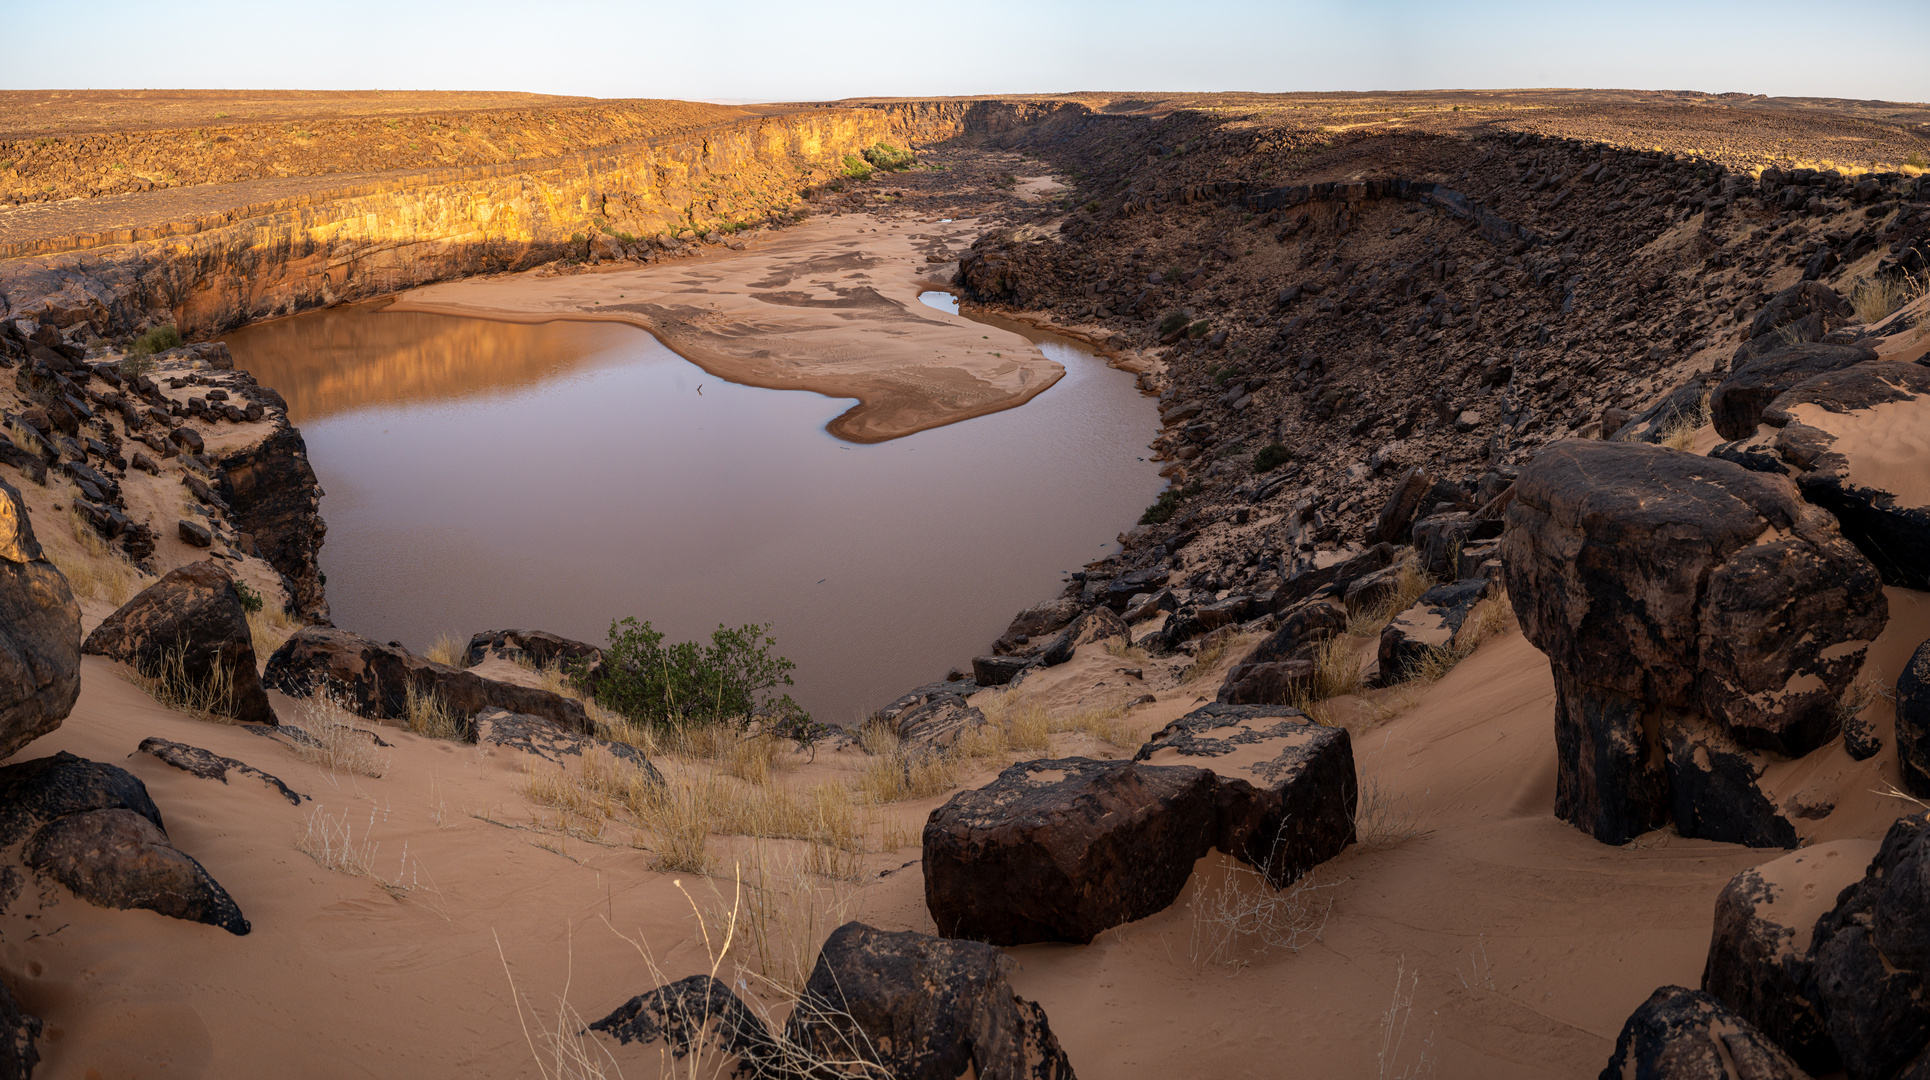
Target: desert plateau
<point>1404,584</point>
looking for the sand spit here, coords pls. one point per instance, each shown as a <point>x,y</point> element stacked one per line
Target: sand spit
<point>831,307</point>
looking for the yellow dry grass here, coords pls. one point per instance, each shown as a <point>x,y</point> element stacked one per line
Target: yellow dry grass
<point>426,713</point>
<point>269,628</point>
<point>333,740</point>
<point>448,649</point>
<point>168,682</point>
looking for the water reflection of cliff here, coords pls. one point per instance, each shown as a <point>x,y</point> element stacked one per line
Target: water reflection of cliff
<point>352,357</point>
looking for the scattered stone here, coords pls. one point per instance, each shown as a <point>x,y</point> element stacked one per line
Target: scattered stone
<point>191,625</point>
<point>1682,1034</point>
<point>39,633</point>
<point>1665,586</point>
<point>535,735</point>
<point>1099,624</point>
<point>922,1008</point>
<point>690,1015</point>
<point>1284,790</point>
<point>938,724</point>
<point>1759,963</point>
<point>373,679</point>
<point>1397,515</point>
<point>211,766</point>
<point>1061,849</point>
<point>998,670</point>
<point>1430,626</point>
<point>1045,618</point>
<point>195,534</point>
<point>538,648</point>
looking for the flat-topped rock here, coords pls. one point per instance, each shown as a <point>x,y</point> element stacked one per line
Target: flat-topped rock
<point>1737,403</point>
<point>1061,849</point>
<point>1284,786</point>
<point>191,625</point>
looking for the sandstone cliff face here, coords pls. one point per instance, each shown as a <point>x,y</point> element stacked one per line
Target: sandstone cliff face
<point>373,235</point>
<point>273,497</point>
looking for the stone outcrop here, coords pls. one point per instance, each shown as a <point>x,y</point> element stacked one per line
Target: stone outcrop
<point>190,625</point>
<point>39,633</point>
<point>938,724</point>
<point>1281,666</point>
<point>1432,625</point>
<point>537,648</point>
<point>1870,960</point>
<point>535,735</point>
<point>374,680</point>
<point>273,496</point>
<point>1737,403</point>
<point>1854,440</point>
<point>923,1008</point>
<point>1061,849</point>
<point>1759,962</point>
<point>1678,598</point>
<point>212,766</point>
<point>693,1015</point>
<point>1284,786</point>
<point>93,828</point>
<point>1682,1034</point>
<point>1913,722</point>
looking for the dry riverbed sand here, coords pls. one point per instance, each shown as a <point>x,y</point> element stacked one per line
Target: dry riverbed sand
<point>1522,943</point>
<point>830,306</point>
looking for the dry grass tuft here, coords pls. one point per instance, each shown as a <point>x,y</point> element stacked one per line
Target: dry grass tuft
<point>448,649</point>
<point>334,845</point>
<point>1014,722</point>
<point>893,774</point>
<point>1682,428</point>
<point>1124,649</point>
<point>1489,617</point>
<point>1384,820</point>
<point>787,911</point>
<point>425,713</point>
<point>333,740</point>
<point>1105,723</point>
<point>1212,649</point>
<point>1239,917</point>
<point>1878,299</point>
<point>1336,670</point>
<point>168,683</point>
<point>678,816</point>
<point>269,628</point>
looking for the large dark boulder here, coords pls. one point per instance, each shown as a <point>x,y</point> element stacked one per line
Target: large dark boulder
<point>192,618</point>
<point>1284,786</point>
<point>1666,588</point>
<point>1737,403</point>
<point>1403,505</point>
<point>1913,722</point>
<point>373,680</point>
<point>1856,439</point>
<point>18,1030</point>
<point>1342,574</point>
<point>999,670</point>
<point>1682,1034</point>
<point>538,648</point>
<point>39,633</point>
<point>120,859</point>
<point>1870,960</point>
<point>1431,625</point>
<point>1280,668</point>
<point>93,828</point>
<point>693,1015</point>
<point>923,1008</point>
<point>1099,624</point>
<point>1061,849</point>
<point>1759,951</point>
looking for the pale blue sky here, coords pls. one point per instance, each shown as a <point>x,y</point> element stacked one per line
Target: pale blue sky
<point>808,49</point>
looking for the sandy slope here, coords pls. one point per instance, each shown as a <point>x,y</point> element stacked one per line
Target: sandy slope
<point>1531,942</point>
<point>830,306</point>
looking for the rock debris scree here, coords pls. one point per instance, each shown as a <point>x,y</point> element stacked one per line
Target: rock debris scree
<point>190,625</point>
<point>1284,786</point>
<point>1061,849</point>
<point>1697,616</point>
<point>1681,1034</point>
<point>39,633</point>
<point>93,828</point>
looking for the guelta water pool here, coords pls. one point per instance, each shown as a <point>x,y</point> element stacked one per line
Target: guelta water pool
<point>490,475</point>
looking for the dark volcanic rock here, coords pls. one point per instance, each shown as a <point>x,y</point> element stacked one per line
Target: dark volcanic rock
<point>1431,625</point>
<point>18,1030</point>
<point>1870,956</point>
<point>690,1015</point>
<point>539,648</point>
<point>535,735</point>
<point>211,766</point>
<point>999,670</point>
<point>1284,786</point>
<point>1847,435</point>
<point>1281,667</point>
<point>35,792</point>
<point>373,680</point>
<point>1737,404</point>
<point>1099,624</point>
<point>1044,618</point>
<point>924,1008</point>
<point>1913,721</point>
<point>1681,1034</point>
<point>121,859</point>
<point>39,633</point>
<point>273,497</point>
<point>1661,584</point>
<point>1340,575</point>
<point>195,612</point>
<point>1397,515</point>
<point>1759,952</point>
<point>1058,850</point>
<point>1796,302</point>
<point>938,723</point>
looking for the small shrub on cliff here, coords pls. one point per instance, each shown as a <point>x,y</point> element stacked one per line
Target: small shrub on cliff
<point>250,599</point>
<point>856,168</point>
<point>889,158</point>
<point>1271,457</point>
<point>1172,323</point>
<point>159,339</point>
<point>1167,504</point>
<point>727,680</point>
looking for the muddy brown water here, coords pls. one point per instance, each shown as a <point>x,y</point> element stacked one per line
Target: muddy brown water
<point>487,475</point>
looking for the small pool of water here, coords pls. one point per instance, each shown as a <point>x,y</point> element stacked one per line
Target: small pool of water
<point>487,475</point>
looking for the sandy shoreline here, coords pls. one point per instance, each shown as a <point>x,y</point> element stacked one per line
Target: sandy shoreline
<point>829,306</point>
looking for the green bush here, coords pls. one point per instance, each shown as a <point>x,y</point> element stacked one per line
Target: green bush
<point>889,158</point>
<point>1199,329</point>
<point>1167,504</point>
<point>159,339</point>
<point>250,599</point>
<point>1226,375</point>
<point>726,681</point>
<point>1173,321</point>
<point>133,367</point>
<point>856,168</point>
<point>1271,457</point>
